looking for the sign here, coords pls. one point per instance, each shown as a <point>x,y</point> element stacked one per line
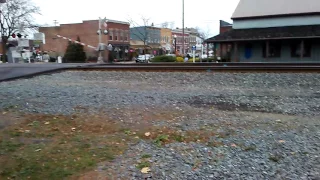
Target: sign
<point>194,48</point>
<point>39,38</point>
<point>23,42</point>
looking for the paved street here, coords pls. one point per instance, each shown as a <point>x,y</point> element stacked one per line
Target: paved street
<point>12,71</point>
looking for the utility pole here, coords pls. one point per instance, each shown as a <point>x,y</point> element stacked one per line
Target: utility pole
<point>55,22</point>
<point>100,58</point>
<point>183,27</point>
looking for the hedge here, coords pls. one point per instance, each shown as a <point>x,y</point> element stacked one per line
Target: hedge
<point>164,59</point>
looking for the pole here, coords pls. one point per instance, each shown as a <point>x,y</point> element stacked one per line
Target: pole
<point>194,55</point>
<point>100,58</point>
<point>175,46</point>
<point>183,27</point>
<point>201,51</point>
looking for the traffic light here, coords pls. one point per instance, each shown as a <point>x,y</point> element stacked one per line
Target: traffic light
<point>13,35</point>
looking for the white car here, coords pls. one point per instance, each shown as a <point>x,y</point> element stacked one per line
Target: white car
<point>143,58</point>
<point>204,56</point>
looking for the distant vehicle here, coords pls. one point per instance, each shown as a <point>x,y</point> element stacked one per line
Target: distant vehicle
<point>204,56</point>
<point>143,58</point>
<point>173,55</point>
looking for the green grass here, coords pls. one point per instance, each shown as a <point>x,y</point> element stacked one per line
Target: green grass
<point>250,148</point>
<point>56,161</point>
<point>146,156</point>
<point>275,158</point>
<point>143,165</point>
<point>161,139</point>
<point>178,138</point>
<point>35,150</point>
<point>9,147</point>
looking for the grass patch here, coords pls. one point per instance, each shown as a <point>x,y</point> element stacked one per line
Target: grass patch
<point>161,139</point>
<point>66,146</point>
<point>250,148</point>
<point>143,165</point>
<point>9,146</point>
<point>146,156</point>
<point>178,137</point>
<point>275,158</point>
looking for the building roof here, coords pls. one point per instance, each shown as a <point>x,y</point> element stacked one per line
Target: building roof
<point>261,8</point>
<point>288,32</point>
<point>224,23</point>
<point>110,20</point>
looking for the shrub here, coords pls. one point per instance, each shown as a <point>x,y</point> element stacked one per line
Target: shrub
<point>191,60</point>
<point>180,59</point>
<point>52,59</point>
<point>208,60</point>
<point>164,59</point>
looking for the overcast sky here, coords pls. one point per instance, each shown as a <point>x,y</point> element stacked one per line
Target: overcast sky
<point>202,13</point>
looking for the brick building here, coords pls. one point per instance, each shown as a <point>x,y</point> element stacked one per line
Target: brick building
<point>179,40</point>
<point>119,37</point>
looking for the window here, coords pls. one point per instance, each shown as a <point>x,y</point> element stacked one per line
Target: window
<point>121,35</point>
<point>110,35</point>
<point>296,49</point>
<point>116,38</point>
<point>274,50</point>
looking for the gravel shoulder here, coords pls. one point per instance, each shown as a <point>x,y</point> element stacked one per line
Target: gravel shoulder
<point>202,125</point>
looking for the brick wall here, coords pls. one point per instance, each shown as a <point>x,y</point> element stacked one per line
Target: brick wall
<point>225,29</point>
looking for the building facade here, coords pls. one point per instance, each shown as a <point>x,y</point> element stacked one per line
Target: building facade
<point>264,31</point>
<point>149,36</point>
<point>118,37</point>
<point>177,35</point>
<point>166,40</point>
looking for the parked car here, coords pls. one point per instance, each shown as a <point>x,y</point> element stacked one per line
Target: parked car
<point>204,56</point>
<point>143,58</point>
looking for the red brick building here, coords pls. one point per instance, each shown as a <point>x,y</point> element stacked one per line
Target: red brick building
<point>119,37</point>
<point>179,40</point>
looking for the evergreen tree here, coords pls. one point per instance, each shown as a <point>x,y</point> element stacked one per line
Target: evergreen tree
<point>81,55</point>
<point>75,53</point>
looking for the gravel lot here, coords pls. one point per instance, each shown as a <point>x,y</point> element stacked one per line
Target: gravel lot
<point>270,122</point>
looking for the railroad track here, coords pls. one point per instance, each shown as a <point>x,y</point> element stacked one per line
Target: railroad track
<point>9,73</point>
<point>215,67</point>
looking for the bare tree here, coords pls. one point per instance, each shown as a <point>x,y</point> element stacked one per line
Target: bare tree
<point>140,31</point>
<point>203,33</point>
<point>172,24</point>
<point>15,16</point>
<point>165,24</point>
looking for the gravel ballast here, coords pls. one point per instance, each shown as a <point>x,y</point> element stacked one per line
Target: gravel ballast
<point>270,122</point>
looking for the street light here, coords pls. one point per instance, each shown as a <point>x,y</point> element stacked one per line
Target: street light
<point>175,43</point>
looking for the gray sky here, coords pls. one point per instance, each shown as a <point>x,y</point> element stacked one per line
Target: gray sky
<point>202,13</point>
